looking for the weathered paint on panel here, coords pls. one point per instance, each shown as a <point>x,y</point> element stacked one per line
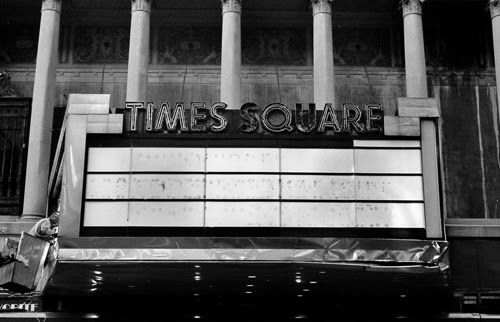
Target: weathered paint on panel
<point>242,214</point>
<point>319,215</point>
<point>166,214</point>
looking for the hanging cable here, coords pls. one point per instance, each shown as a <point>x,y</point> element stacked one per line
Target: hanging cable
<point>183,84</point>
<point>278,80</point>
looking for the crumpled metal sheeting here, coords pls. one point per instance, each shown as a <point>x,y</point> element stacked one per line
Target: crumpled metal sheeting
<point>384,251</point>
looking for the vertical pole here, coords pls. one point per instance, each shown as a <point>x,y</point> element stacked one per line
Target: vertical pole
<point>495,23</point>
<point>138,56</point>
<point>416,87</point>
<point>324,87</point>
<point>38,163</point>
<point>230,84</point>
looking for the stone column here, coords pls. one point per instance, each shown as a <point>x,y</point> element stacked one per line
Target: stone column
<point>230,83</point>
<point>495,22</point>
<point>138,56</point>
<point>42,110</point>
<point>416,73</point>
<point>416,87</point>
<point>324,87</point>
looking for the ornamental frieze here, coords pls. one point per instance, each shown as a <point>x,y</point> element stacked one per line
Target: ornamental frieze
<point>194,46</point>
<point>365,47</point>
<point>274,47</point>
<point>101,45</point>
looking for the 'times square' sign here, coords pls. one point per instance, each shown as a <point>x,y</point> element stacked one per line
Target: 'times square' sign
<point>146,118</point>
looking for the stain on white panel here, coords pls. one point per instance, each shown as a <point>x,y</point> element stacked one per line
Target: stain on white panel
<point>387,143</point>
<point>317,160</point>
<point>105,214</point>
<point>108,159</point>
<point>390,215</point>
<point>242,160</point>
<point>388,161</point>
<point>107,186</point>
<point>242,214</point>
<point>389,188</point>
<point>242,186</point>
<point>317,187</point>
<point>167,186</point>
<point>311,214</point>
<point>166,214</point>
<point>168,159</point>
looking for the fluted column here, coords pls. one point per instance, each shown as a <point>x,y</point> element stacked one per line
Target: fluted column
<point>495,22</point>
<point>42,110</point>
<point>324,87</point>
<point>230,83</point>
<point>138,56</point>
<point>416,77</point>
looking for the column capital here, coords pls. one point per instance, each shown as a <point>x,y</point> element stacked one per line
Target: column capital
<point>494,8</point>
<point>231,6</point>
<point>141,5</point>
<point>411,7</point>
<point>54,5</point>
<point>321,6</point>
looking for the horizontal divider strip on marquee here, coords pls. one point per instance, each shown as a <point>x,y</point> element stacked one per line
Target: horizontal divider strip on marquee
<point>380,186</point>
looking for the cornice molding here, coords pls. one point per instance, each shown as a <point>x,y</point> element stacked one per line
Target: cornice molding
<point>231,6</point>
<point>54,5</point>
<point>321,6</point>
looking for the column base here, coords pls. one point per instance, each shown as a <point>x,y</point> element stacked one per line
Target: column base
<point>31,217</point>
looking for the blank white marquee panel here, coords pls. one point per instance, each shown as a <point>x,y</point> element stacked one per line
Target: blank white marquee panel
<point>375,184</point>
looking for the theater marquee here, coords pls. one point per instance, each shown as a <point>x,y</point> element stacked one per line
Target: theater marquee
<point>199,117</point>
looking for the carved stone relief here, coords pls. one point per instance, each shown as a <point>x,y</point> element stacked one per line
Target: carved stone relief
<point>197,46</point>
<point>367,47</point>
<point>101,45</point>
<point>18,44</point>
<point>411,7</point>
<point>274,47</point>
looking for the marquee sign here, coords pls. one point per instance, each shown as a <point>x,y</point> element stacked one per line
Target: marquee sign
<point>199,117</point>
